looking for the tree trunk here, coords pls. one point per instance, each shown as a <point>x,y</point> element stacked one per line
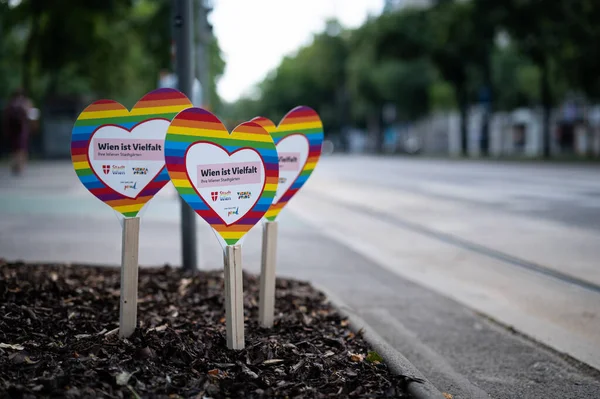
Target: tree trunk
<point>27,58</point>
<point>375,129</point>
<point>52,87</point>
<point>26,62</point>
<point>487,105</point>
<point>342,110</point>
<point>463,106</point>
<point>546,94</point>
<point>485,133</point>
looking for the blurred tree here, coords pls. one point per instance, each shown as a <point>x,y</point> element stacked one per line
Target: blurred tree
<point>102,48</point>
<point>9,50</point>
<point>65,36</point>
<point>9,70</point>
<point>517,79</point>
<point>446,33</point>
<point>153,22</point>
<point>314,76</point>
<point>374,84</point>
<point>485,22</point>
<point>217,67</point>
<point>440,57</point>
<point>364,87</point>
<point>451,49</point>
<point>441,94</point>
<point>538,31</point>
<point>579,53</point>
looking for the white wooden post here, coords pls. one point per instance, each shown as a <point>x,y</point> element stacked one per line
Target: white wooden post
<point>129,277</point>
<point>234,297</point>
<point>266,309</point>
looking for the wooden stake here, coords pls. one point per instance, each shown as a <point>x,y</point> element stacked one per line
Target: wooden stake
<point>266,309</point>
<point>129,277</point>
<point>234,297</point>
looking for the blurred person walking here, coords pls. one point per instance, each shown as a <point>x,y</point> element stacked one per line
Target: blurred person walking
<point>17,128</point>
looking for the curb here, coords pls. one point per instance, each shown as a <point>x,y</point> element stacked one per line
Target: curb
<point>421,388</point>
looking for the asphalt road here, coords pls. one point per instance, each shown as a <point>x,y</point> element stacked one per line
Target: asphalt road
<point>439,257</point>
<point>567,193</point>
<point>518,242</point>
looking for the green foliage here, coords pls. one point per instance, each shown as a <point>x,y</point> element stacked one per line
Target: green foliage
<point>96,48</point>
<point>10,73</point>
<point>579,53</point>
<point>517,77</point>
<point>402,35</point>
<point>439,57</point>
<point>216,69</point>
<point>315,76</point>
<point>415,59</point>
<point>403,84</point>
<point>441,95</point>
<point>373,357</point>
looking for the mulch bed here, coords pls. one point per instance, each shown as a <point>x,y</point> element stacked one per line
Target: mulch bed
<point>58,339</point>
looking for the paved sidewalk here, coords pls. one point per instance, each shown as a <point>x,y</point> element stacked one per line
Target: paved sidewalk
<point>49,216</point>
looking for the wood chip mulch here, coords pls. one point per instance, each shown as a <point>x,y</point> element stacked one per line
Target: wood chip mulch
<point>58,339</point>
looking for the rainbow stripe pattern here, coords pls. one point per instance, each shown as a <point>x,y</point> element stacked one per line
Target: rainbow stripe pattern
<point>199,125</point>
<point>300,120</point>
<point>158,104</point>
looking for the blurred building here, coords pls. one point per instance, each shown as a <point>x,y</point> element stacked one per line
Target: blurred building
<point>514,133</point>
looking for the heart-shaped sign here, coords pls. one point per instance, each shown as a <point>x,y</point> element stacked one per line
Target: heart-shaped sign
<point>119,154</point>
<point>298,140</point>
<point>228,179</point>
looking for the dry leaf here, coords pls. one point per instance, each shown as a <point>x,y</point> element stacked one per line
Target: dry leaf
<point>174,311</point>
<point>355,357</point>
<point>16,347</point>
<point>29,361</point>
<point>158,328</point>
<point>214,372</point>
<point>111,332</point>
<point>183,286</point>
<point>122,378</point>
<point>447,395</point>
<point>273,361</point>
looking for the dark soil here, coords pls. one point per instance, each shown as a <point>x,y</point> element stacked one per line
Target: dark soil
<point>58,339</point>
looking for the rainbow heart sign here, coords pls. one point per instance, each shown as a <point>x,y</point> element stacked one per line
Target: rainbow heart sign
<point>119,154</point>
<point>298,140</point>
<point>228,179</point>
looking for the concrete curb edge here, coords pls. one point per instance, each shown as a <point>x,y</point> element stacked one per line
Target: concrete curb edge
<point>397,363</point>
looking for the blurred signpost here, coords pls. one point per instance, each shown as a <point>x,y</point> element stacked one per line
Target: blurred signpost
<point>183,34</point>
